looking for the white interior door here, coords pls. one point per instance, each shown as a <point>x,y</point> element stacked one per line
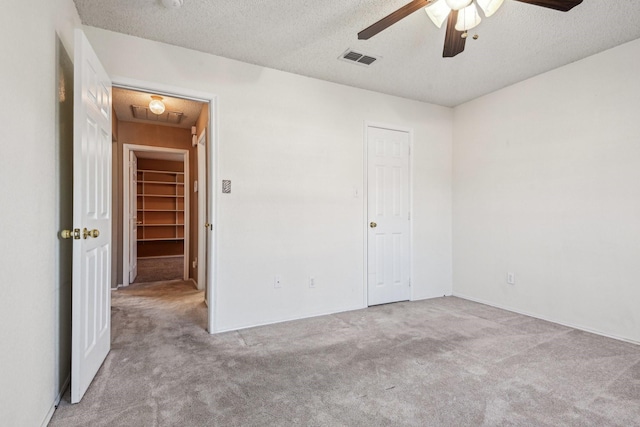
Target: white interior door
<point>91,317</point>
<point>388,245</point>
<point>133,216</point>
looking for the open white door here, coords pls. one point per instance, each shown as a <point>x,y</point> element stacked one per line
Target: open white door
<point>388,245</point>
<point>91,298</point>
<point>133,216</point>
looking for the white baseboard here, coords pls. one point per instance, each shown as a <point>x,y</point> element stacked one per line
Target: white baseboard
<point>537,316</point>
<point>56,402</point>
<point>422,298</point>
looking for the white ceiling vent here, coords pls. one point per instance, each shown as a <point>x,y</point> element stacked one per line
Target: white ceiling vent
<point>358,58</point>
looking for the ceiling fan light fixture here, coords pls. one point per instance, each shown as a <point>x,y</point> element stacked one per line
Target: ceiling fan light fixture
<point>438,12</point>
<point>489,7</point>
<point>156,105</point>
<point>468,18</point>
<point>458,4</point>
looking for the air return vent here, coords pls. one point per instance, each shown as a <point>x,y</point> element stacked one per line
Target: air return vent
<point>170,117</point>
<point>358,58</point>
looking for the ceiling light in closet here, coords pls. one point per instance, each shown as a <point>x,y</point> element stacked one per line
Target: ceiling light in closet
<point>156,105</point>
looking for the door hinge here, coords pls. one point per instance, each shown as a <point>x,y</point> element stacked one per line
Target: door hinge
<point>409,280</point>
<point>409,215</point>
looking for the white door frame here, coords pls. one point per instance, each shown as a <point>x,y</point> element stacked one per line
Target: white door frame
<point>365,205</point>
<point>212,137</point>
<point>126,183</point>
<point>133,227</point>
<point>202,207</point>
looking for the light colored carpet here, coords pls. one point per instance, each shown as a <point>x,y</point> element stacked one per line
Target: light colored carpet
<point>440,362</point>
<point>159,269</point>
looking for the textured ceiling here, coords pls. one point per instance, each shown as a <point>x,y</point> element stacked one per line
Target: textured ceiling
<point>123,99</point>
<point>307,36</point>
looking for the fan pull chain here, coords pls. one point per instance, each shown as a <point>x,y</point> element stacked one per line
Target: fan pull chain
<point>465,34</point>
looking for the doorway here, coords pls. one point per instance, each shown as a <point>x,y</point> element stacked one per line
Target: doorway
<point>156,226</point>
<point>162,228</point>
<point>388,227</point>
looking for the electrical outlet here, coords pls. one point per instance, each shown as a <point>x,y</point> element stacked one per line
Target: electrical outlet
<point>312,282</point>
<point>511,278</point>
<point>277,282</point>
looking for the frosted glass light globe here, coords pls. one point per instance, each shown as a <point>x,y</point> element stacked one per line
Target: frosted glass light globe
<point>468,18</point>
<point>156,105</point>
<point>438,12</point>
<point>489,6</point>
<point>458,4</point>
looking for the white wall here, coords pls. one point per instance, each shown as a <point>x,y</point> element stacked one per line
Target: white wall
<point>30,324</point>
<point>547,185</point>
<point>293,149</point>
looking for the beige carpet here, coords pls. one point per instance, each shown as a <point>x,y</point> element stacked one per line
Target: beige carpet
<point>440,362</point>
<point>159,269</point>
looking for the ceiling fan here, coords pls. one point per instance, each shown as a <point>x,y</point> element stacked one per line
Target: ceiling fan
<point>461,16</point>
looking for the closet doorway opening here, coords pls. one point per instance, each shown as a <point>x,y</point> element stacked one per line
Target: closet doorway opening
<point>156,217</point>
<point>160,176</point>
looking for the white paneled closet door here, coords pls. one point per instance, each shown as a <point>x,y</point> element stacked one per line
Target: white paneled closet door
<point>388,243</point>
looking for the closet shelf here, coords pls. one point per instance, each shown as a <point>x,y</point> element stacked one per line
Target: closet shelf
<point>160,182</point>
<point>162,195</point>
<point>160,225</point>
<point>160,205</point>
<point>162,172</point>
<point>163,239</point>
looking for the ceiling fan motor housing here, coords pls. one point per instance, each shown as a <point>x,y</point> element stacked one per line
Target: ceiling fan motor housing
<point>458,4</point>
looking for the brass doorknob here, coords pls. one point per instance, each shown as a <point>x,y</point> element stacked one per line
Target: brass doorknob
<point>90,233</point>
<point>70,234</point>
<point>373,224</point>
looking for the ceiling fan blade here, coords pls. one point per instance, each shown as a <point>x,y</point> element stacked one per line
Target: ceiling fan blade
<point>391,19</point>
<point>561,5</point>
<point>453,41</point>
